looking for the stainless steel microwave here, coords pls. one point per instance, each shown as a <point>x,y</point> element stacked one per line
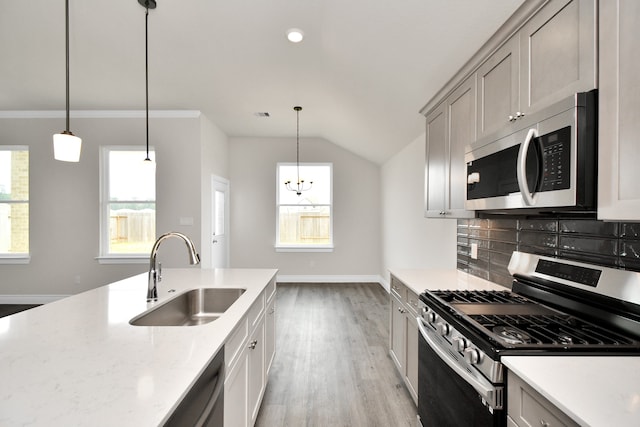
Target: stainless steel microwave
<point>545,161</point>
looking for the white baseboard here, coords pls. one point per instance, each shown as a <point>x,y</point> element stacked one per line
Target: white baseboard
<point>330,279</point>
<point>30,299</point>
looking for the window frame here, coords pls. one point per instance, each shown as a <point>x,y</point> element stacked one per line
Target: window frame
<point>19,257</point>
<point>325,247</point>
<point>104,256</point>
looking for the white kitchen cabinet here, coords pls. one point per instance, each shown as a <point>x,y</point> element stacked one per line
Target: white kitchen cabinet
<point>256,370</point>
<point>619,111</point>
<point>527,407</point>
<point>403,339</point>
<point>553,56</point>
<point>450,128</point>
<point>250,351</point>
<point>270,334</point>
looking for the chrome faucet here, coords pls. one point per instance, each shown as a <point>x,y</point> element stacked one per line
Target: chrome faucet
<point>154,275</point>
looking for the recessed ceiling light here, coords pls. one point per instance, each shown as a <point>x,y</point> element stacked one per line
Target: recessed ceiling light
<point>262,114</point>
<point>295,35</point>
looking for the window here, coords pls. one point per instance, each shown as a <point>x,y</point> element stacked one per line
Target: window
<point>128,203</point>
<point>304,222</point>
<point>14,202</point>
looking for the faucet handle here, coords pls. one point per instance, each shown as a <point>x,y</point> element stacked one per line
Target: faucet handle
<point>159,272</point>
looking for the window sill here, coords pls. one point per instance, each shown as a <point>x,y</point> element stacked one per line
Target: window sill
<point>15,259</point>
<point>123,259</point>
<point>325,248</point>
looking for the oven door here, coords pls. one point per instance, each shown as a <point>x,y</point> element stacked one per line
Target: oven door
<point>449,393</point>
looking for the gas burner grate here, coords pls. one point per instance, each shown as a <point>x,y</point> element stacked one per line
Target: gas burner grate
<point>562,330</point>
<point>478,297</point>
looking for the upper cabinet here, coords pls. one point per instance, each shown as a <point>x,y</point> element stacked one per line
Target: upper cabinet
<point>551,57</point>
<point>619,111</point>
<point>558,47</point>
<point>450,128</point>
<point>545,52</point>
<point>499,90</point>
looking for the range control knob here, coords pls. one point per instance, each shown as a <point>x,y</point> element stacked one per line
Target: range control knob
<point>443,329</point>
<point>432,317</point>
<point>472,356</point>
<point>460,344</point>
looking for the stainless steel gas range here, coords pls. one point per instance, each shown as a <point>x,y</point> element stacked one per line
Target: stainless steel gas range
<point>554,307</point>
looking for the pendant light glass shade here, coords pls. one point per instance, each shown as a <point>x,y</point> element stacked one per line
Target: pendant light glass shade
<point>66,147</point>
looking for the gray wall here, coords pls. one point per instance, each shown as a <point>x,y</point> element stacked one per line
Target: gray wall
<point>356,212</point>
<point>409,240</point>
<point>64,197</point>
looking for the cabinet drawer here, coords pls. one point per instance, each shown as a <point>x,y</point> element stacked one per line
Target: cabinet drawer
<point>270,290</point>
<point>234,345</point>
<point>399,289</point>
<point>527,407</point>
<point>412,302</point>
<point>255,311</point>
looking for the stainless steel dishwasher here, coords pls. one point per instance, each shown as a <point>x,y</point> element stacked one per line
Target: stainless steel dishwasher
<point>203,406</point>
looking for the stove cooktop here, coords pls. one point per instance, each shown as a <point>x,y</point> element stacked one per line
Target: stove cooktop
<point>508,321</point>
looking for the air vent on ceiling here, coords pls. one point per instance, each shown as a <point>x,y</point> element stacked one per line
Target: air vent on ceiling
<point>262,114</point>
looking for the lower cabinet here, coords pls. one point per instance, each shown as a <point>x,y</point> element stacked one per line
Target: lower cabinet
<point>527,407</point>
<point>403,331</point>
<point>250,351</point>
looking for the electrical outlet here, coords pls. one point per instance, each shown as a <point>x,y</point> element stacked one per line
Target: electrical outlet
<point>474,251</point>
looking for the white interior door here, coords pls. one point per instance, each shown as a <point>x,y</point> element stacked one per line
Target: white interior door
<point>220,223</point>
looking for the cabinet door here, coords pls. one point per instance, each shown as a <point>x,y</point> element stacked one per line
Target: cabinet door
<point>461,109</point>
<point>619,104</point>
<point>270,335</point>
<point>436,163</point>
<point>256,370</point>
<point>558,53</point>
<point>397,331</point>
<point>411,377</point>
<point>236,408</point>
<point>498,88</point>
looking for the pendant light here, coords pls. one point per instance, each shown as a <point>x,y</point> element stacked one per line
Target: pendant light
<point>147,4</point>
<point>300,184</point>
<point>67,146</point>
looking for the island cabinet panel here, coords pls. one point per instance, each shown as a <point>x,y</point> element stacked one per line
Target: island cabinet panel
<point>247,373</point>
<point>270,335</point>
<point>619,107</point>
<point>403,339</point>
<point>450,129</point>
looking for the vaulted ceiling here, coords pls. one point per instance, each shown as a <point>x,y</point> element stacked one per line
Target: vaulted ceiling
<point>362,72</point>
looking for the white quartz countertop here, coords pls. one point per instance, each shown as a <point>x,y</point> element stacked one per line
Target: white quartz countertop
<point>78,361</point>
<point>442,279</point>
<point>593,391</point>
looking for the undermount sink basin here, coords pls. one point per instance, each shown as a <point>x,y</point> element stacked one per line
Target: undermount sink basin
<point>191,308</point>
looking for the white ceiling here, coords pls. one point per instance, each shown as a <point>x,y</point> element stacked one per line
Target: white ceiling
<point>361,74</point>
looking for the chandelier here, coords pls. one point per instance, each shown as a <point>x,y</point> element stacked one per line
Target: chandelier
<point>300,185</point>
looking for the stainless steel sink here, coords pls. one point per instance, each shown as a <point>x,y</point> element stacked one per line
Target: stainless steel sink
<point>194,307</point>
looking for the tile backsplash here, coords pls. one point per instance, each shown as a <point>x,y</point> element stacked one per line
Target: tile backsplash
<point>612,244</point>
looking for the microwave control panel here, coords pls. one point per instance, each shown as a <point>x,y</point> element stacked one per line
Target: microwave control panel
<point>556,160</point>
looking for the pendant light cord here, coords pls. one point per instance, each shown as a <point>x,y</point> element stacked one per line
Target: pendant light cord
<point>67,55</point>
<point>298,143</point>
<point>146,70</point>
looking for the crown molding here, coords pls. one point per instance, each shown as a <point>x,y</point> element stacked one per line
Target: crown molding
<point>100,114</point>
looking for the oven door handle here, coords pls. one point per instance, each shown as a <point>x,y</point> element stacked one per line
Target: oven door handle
<point>491,395</point>
<point>522,168</point>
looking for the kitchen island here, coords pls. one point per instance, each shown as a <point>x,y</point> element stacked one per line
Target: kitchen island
<point>78,361</point>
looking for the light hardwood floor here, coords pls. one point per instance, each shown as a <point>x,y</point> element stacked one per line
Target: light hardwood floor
<point>332,366</point>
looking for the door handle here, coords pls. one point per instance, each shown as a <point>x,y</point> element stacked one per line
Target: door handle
<point>522,168</point>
